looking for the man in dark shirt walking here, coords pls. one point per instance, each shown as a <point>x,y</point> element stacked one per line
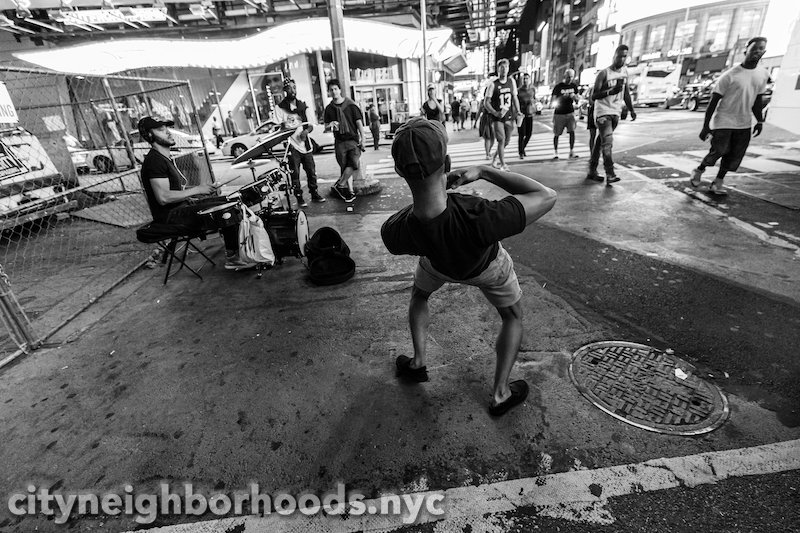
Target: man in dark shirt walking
<point>343,117</point>
<point>170,199</point>
<point>566,94</point>
<point>457,238</point>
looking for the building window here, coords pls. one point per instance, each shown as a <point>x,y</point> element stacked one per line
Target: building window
<point>657,38</point>
<point>750,22</point>
<point>636,48</point>
<point>716,37</point>
<point>684,36</point>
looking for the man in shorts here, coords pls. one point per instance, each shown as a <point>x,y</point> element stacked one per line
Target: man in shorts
<point>735,100</point>
<point>502,106</point>
<point>565,94</point>
<point>457,237</point>
<point>343,117</point>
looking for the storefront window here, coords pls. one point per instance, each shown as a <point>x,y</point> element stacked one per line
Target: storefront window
<point>716,37</point>
<point>657,38</point>
<point>636,49</point>
<point>684,37</point>
<point>748,27</point>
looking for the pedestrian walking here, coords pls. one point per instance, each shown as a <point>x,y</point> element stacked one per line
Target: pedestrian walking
<point>230,125</point>
<point>610,94</point>
<point>526,94</point>
<point>457,238</point>
<point>375,125</point>
<point>463,111</point>
<point>590,125</point>
<point>216,131</point>
<point>455,106</point>
<point>566,94</point>
<point>502,106</point>
<point>736,98</point>
<point>432,109</point>
<point>473,111</point>
<point>343,117</point>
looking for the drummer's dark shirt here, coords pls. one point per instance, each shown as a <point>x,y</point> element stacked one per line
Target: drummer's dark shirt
<point>156,166</point>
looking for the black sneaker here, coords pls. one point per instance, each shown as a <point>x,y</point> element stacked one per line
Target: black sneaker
<point>316,198</point>
<point>406,373</point>
<point>344,193</point>
<point>594,176</point>
<point>301,201</point>
<point>611,178</point>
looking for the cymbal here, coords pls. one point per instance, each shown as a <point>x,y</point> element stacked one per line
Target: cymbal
<point>265,145</point>
<point>251,163</point>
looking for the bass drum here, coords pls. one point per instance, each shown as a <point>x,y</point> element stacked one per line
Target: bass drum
<point>288,233</point>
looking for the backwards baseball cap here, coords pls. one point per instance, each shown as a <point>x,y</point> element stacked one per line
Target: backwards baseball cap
<point>149,123</point>
<point>419,148</point>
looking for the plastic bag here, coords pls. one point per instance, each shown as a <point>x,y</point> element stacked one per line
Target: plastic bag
<point>254,245</point>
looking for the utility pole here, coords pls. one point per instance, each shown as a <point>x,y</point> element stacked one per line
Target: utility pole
<point>423,76</point>
<point>340,61</point>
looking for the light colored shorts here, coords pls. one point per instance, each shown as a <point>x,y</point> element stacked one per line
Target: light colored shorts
<point>498,282</point>
<point>563,121</point>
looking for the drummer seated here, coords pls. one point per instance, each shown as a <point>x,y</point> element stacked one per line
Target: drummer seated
<point>169,197</point>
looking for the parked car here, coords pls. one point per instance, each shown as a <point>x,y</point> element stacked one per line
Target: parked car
<point>115,158</point>
<point>696,95</point>
<point>239,145</point>
<point>31,187</point>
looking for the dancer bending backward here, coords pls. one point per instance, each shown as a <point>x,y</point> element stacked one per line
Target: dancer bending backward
<point>456,237</point>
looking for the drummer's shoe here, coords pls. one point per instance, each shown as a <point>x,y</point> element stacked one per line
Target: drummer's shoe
<point>301,201</point>
<point>316,198</point>
<point>233,262</point>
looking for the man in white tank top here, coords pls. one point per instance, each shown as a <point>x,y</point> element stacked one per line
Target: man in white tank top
<point>610,93</point>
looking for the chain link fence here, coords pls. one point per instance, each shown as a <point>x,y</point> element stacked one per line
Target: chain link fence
<point>70,194</point>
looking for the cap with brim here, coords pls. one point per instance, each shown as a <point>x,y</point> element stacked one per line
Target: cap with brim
<point>147,124</point>
<point>419,148</point>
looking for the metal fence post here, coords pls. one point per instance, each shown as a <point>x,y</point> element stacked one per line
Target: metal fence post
<point>125,137</point>
<point>15,319</point>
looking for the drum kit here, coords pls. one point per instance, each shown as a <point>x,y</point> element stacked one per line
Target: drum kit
<point>287,228</point>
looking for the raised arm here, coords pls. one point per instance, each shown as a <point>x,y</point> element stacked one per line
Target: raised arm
<point>536,199</point>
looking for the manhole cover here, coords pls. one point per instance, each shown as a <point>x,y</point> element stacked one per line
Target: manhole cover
<point>647,388</point>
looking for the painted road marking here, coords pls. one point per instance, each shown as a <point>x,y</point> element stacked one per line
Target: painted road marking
<point>579,495</point>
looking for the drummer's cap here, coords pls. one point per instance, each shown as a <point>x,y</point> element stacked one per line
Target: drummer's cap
<point>146,124</point>
<point>419,148</point>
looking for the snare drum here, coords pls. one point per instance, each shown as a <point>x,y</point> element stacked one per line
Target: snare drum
<point>288,233</point>
<point>221,216</point>
<point>256,192</point>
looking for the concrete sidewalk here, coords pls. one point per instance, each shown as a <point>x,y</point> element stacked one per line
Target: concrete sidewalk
<point>232,379</point>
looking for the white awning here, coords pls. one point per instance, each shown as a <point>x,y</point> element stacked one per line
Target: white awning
<point>275,44</point>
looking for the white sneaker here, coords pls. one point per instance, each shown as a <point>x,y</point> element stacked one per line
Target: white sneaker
<point>718,189</point>
<point>505,168</point>
<point>697,174</point>
<point>496,161</point>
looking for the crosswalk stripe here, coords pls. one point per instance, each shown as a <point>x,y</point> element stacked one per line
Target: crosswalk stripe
<point>688,161</point>
<point>472,153</point>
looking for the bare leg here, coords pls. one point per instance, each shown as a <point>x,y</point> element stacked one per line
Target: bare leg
<point>347,173</point>
<point>507,347</point>
<point>418,320</point>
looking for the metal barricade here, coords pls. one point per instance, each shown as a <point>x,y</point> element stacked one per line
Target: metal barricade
<point>70,193</point>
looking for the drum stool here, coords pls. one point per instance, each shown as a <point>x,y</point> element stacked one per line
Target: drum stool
<point>168,237</point>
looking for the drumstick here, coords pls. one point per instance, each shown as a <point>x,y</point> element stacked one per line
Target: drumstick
<point>220,185</point>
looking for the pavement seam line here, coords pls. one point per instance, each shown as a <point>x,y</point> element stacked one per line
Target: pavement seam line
<point>550,495</point>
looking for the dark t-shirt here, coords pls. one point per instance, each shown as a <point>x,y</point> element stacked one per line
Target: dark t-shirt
<point>156,166</point>
<point>460,242</point>
<point>432,113</point>
<point>564,92</point>
<point>526,97</point>
<point>347,110</point>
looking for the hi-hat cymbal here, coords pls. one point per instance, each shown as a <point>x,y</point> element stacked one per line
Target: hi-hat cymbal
<point>251,163</point>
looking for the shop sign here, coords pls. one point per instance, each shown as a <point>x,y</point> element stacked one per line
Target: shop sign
<point>651,55</point>
<point>110,16</point>
<point>8,114</point>
<point>681,52</point>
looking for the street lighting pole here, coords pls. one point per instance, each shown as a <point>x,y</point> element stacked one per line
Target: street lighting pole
<point>340,60</point>
<point>423,76</point>
<point>552,42</point>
